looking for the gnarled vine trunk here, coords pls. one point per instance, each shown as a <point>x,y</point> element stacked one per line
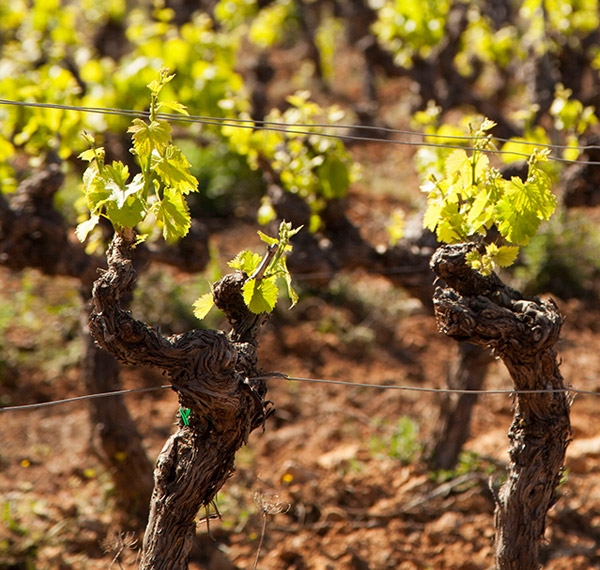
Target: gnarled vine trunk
<point>522,332</point>
<point>215,377</point>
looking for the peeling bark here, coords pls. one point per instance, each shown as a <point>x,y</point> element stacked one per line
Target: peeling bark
<point>214,375</point>
<point>522,332</point>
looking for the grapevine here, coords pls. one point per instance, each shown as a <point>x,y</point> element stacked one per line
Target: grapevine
<point>314,167</point>
<point>471,198</point>
<point>157,191</point>
<point>261,289</point>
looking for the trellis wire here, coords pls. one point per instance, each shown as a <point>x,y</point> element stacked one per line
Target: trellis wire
<point>279,376</point>
<point>285,128</point>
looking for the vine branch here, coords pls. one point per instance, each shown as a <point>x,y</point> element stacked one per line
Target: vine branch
<point>522,332</point>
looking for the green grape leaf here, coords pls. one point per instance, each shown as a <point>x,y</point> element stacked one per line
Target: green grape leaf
<point>535,195</point>
<point>88,155</point>
<point>451,223</point>
<point>96,192</point>
<point>246,261</point>
<point>202,305</point>
<point>471,196</point>
<point>117,172</point>
<point>523,207</point>
<point>505,255</point>
<point>435,205</point>
<point>466,170</point>
<point>267,239</point>
<point>164,77</point>
<point>129,214</point>
<point>495,256</point>
<point>84,228</point>
<point>174,170</point>
<point>174,106</point>
<point>458,162</point>
<point>476,261</point>
<point>149,136</point>
<point>480,213</point>
<point>334,177</point>
<point>446,232</point>
<point>260,296</point>
<point>172,214</point>
<point>288,282</point>
<point>115,176</point>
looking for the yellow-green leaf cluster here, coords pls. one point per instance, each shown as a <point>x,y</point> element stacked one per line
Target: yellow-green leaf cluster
<point>410,28</point>
<point>261,288</point>
<point>472,198</point>
<point>158,190</point>
<point>317,168</point>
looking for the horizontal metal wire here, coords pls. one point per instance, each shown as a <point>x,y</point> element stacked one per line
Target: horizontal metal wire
<point>307,129</point>
<point>278,376</point>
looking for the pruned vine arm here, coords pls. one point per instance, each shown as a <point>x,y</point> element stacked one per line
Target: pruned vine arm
<point>485,311</point>
<point>114,329</point>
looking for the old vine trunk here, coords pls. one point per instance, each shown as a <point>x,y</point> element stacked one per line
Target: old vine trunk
<point>215,377</point>
<point>522,332</point>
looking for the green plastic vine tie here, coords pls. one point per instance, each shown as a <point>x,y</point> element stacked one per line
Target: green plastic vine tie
<point>185,415</point>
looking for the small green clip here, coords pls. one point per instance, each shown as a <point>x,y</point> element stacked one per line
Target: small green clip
<point>185,415</point>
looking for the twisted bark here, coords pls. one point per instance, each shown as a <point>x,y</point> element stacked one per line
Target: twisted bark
<point>213,374</point>
<point>522,332</point>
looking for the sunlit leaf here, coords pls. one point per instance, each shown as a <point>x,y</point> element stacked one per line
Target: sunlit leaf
<point>174,169</point>
<point>288,281</point>
<point>458,162</point>
<point>202,305</point>
<point>267,239</point>
<point>174,106</point>
<point>173,215</point>
<point>505,255</point>
<point>246,261</point>
<point>260,296</point>
<point>84,228</point>
<point>129,214</point>
<point>88,155</point>
<point>149,136</point>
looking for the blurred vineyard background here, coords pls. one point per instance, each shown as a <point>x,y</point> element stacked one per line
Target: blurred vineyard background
<point>331,114</point>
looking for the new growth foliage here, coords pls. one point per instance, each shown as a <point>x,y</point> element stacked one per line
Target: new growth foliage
<point>261,290</point>
<point>156,196</point>
<point>308,161</point>
<point>157,192</point>
<point>472,197</point>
